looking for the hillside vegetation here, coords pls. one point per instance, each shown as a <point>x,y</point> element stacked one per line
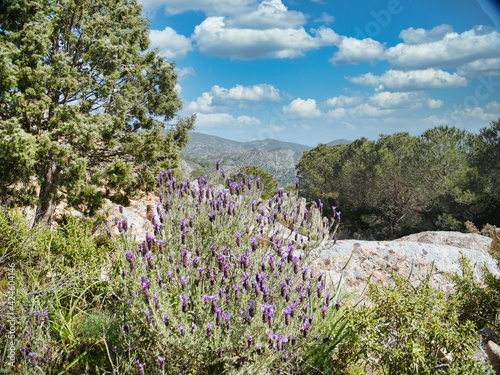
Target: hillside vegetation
<point>402,184</point>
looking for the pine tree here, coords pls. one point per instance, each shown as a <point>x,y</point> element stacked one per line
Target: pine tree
<point>83,102</point>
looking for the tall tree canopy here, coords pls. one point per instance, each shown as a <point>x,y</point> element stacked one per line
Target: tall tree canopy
<point>401,183</point>
<point>83,102</point>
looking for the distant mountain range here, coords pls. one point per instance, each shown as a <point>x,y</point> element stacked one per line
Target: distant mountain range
<point>272,156</point>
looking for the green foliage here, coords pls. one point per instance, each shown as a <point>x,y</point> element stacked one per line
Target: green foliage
<point>478,298</point>
<point>407,329</point>
<point>269,184</point>
<point>80,101</point>
<point>402,184</point>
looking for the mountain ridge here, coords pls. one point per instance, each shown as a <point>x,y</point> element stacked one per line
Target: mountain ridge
<point>276,157</point>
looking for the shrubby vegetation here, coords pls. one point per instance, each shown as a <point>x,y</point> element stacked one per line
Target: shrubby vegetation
<point>222,285</point>
<point>401,184</point>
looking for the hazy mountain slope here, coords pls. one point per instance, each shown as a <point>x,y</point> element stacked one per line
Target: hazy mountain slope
<point>272,156</point>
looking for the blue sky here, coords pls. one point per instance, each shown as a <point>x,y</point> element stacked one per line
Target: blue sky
<point>312,71</point>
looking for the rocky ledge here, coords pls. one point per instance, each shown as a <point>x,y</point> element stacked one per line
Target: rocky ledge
<point>412,256</point>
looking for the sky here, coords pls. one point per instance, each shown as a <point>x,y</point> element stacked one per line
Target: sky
<point>313,71</point>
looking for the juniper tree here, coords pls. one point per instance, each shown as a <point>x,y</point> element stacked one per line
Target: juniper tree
<point>83,102</point>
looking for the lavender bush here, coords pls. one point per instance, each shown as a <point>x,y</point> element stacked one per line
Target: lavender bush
<point>223,285</point>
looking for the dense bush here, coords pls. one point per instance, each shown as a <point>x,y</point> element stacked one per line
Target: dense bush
<point>56,280</point>
<point>223,285</point>
<point>407,329</point>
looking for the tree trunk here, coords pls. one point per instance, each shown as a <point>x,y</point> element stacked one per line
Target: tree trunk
<point>47,198</point>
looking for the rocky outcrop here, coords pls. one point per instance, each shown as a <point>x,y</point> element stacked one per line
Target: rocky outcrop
<point>411,257</point>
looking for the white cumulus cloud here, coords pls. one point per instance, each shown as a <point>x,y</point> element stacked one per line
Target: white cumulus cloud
<point>256,93</point>
<point>345,101</point>
<point>412,99</point>
<point>301,108</point>
<point>419,36</point>
<point>219,97</point>
<point>210,120</point>
<point>480,68</point>
<point>213,37</point>
<point>269,14</point>
<point>354,51</point>
<point>209,7</point>
<point>170,44</point>
<point>397,80</point>
<point>443,48</point>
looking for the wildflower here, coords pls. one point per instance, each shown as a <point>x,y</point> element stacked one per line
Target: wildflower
<point>181,328</point>
<point>37,317</point>
<point>193,327</point>
<point>249,341</point>
<point>209,329</point>
<point>148,316</point>
<point>33,359</point>
<point>157,301</point>
<point>183,282</point>
<point>238,239</point>
<point>130,259</point>
<point>323,311</point>
<point>227,317</point>
<point>184,300</point>
<point>259,348</point>
<point>327,299</point>
<point>23,352</point>
<point>115,350</point>
<point>141,367</point>
<point>251,311</point>
<point>320,286</point>
<point>337,305</point>
<point>218,319</point>
<point>150,261</point>
<point>165,319</point>
<point>160,282</point>
<point>162,363</point>
<point>306,328</point>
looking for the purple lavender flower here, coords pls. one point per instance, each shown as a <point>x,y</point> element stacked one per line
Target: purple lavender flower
<point>162,363</point>
<point>183,282</point>
<point>141,367</point>
<point>33,359</point>
<point>327,299</point>
<point>227,317</point>
<point>115,350</point>
<point>185,254</point>
<point>23,352</point>
<point>165,319</point>
<point>318,289</point>
<point>184,300</point>
<point>218,319</point>
<point>157,301</point>
<point>288,313</point>
<point>148,316</point>
<point>337,305</point>
<point>251,310</point>
<point>150,261</point>
<point>209,329</point>
<point>181,328</point>
<point>306,328</point>
<point>323,311</point>
<point>236,291</point>
<point>130,259</point>
<point>37,317</point>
